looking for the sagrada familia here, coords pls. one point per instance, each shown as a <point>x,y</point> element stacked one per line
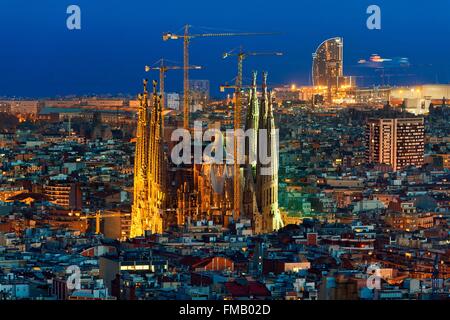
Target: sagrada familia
<point>150,166</point>
<point>166,195</point>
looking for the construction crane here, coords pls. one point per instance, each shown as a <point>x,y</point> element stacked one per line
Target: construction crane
<point>98,215</point>
<point>162,68</point>
<point>186,40</point>
<point>241,56</point>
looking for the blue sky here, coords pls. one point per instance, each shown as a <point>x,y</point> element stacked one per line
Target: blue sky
<point>40,57</point>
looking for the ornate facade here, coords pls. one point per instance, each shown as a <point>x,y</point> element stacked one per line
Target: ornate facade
<point>204,192</point>
<point>149,168</point>
<point>261,185</point>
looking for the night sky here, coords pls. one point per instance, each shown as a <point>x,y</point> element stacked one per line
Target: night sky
<point>40,57</point>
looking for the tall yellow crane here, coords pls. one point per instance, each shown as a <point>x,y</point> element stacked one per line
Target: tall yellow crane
<point>163,68</point>
<point>186,40</point>
<point>241,56</point>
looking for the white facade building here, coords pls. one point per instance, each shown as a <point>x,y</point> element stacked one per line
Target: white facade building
<point>419,98</point>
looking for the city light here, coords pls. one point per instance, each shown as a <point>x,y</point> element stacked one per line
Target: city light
<point>129,173</point>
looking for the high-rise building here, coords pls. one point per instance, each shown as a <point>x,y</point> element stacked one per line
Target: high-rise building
<point>396,142</point>
<point>149,168</point>
<point>328,66</point>
<point>328,62</point>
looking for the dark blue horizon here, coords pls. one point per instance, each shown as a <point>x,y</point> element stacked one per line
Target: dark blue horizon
<point>40,57</point>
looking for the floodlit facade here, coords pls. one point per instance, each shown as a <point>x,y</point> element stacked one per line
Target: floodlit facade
<point>149,168</point>
<point>261,192</point>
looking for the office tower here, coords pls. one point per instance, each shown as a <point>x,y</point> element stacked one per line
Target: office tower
<point>149,168</point>
<point>396,142</point>
<point>327,66</point>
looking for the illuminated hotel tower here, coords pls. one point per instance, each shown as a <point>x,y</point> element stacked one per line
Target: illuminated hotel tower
<point>327,65</point>
<point>149,168</point>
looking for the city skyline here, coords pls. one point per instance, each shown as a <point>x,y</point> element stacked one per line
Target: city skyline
<point>143,157</point>
<point>42,58</point>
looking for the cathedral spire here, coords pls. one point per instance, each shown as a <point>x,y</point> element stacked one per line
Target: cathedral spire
<point>253,101</point>
<point>251,123</point>
<point>254,74</point>
<point>270,119</point>
<point>145,82</point>
<point>267,173</point>
<point>149,173</point>
<point>264,103</point>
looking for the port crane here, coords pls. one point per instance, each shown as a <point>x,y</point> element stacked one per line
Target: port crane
<point>187,37</point>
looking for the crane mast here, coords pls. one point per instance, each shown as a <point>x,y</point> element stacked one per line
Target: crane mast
<point>186,36</point>
<point>186,78</point>
<point>237,125</point>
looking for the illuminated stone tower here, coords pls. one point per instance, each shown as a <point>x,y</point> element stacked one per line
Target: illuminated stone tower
<point>251,123</point>
<point>261,124</point>
<point>249,202</point>
<point>267,166</point>
<point>149,168</point>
